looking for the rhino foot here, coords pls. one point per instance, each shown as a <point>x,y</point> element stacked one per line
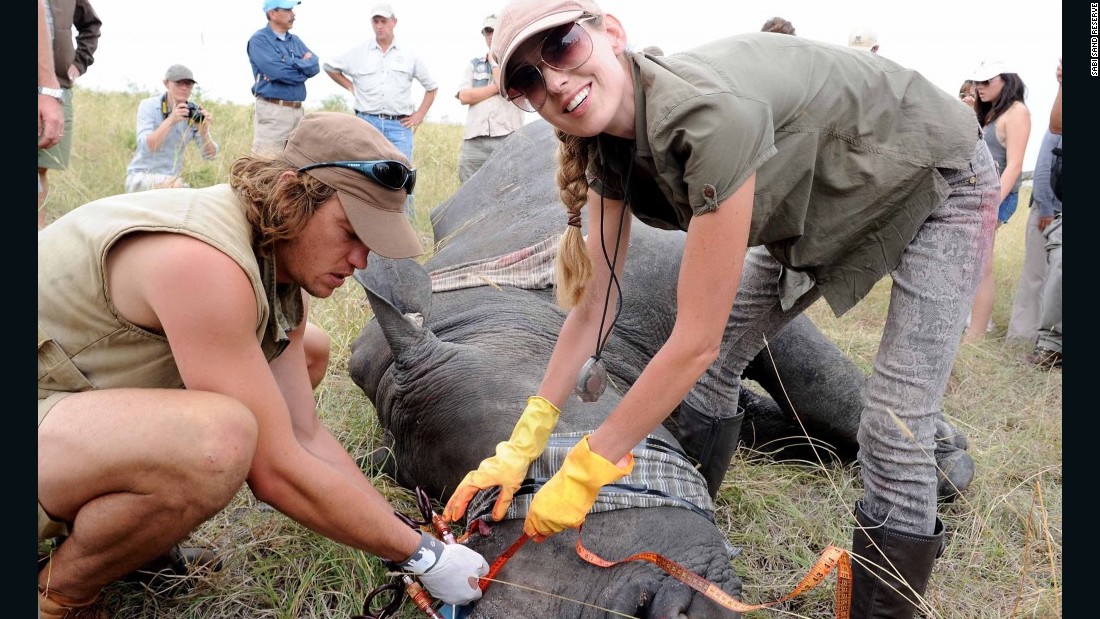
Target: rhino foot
<point>954,467</point>
<point>954,472</point>
<point>949,437</point>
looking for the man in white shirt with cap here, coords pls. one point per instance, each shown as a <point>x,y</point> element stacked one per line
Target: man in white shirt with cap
<point>491,118</point>
<point>380,73</point>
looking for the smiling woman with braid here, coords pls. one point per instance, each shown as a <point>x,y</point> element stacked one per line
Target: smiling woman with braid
<point>800,170</point>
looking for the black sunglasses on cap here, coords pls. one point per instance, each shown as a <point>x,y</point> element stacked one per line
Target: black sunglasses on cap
<point>387,173</point>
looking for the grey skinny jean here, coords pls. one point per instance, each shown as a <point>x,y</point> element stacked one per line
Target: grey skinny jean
<point>933,288</point>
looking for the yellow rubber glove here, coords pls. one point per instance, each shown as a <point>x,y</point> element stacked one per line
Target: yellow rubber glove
<point>507,468</point>
<point>565,500</point>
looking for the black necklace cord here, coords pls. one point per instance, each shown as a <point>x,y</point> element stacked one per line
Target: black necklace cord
<point>612,262</point>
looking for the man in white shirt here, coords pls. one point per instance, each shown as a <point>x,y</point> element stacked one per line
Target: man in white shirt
<point>380,74</point>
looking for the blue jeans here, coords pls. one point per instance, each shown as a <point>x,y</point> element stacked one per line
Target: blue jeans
<point>394,131</point>
<point>1008,207</point>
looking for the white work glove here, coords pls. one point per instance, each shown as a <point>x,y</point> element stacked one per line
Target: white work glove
<point>448,571</point>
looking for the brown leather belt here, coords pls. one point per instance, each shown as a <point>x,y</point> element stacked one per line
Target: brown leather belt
<point>281,102</point>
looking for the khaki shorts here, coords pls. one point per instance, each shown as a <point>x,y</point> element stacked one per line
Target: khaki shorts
<point>47,527</point>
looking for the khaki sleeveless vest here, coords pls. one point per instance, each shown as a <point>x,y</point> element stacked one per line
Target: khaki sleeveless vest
<point>82,341</point>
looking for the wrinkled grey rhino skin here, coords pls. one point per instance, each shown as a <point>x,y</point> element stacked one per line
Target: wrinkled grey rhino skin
<point>452,390</point>
<point>449,374</point>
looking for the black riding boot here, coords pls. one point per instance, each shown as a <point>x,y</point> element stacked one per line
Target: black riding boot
<point>886,554</point>
<point>709,442</point>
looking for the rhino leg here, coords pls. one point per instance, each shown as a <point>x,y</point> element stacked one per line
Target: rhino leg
<point>807,376</point>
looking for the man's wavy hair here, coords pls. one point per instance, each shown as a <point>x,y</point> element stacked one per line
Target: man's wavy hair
<point>277,208</point>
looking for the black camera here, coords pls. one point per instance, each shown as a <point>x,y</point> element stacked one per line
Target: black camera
<point>195,114</point>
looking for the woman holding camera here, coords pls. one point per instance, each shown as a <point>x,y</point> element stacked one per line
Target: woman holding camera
<point>165,125</point>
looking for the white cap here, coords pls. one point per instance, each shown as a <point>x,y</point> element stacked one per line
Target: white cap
<point>862,38</point>
<point>990,69</point>
<point>383,9</point>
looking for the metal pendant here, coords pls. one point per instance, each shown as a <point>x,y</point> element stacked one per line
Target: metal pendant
<point>591,381</point>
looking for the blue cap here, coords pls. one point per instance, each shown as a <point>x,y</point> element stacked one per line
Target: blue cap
<point>280,4</point>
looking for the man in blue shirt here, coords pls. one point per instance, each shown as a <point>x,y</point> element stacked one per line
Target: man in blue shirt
<point>281,64</point>
<point>166,124</point>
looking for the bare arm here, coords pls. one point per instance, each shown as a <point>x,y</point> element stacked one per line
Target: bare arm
<point>51,119</point>
<point>340,79</point>
<point>207,144</point>
<point>291,373</point>
<point>1017,124</point>
<point>477,94</point>
<point>207,310</point>
<point>413,121</point>
<point>710,273</point>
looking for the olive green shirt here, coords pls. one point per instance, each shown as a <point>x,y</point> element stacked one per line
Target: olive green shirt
<point>845,146</point>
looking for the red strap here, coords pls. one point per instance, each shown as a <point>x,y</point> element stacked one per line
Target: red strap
<point>484,581</point>
<point>831,558</point>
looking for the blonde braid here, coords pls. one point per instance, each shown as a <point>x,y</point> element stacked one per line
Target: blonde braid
<point>573,269</point>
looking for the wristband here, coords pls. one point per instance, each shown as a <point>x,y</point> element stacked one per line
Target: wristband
<point>56,93</point>
<point>425,556</point>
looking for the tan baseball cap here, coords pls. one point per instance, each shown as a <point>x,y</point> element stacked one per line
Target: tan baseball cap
<point>521,19</point>
<point>376,213</point>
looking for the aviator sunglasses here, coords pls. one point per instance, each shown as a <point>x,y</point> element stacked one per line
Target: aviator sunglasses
<point>563,48</point>
<point>387,173</point>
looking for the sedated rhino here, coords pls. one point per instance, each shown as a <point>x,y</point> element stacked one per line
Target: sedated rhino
<point>458,344</point>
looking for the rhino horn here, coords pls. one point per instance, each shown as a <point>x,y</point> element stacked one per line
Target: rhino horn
<point>400,294</point>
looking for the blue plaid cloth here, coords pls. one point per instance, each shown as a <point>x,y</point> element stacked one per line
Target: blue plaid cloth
<point>662,477</point>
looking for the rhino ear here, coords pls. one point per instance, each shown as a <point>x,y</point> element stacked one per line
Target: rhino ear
<point>397,291</point>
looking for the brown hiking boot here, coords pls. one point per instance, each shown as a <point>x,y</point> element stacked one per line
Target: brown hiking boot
<point>54,605</point>
<point>1044,359</point>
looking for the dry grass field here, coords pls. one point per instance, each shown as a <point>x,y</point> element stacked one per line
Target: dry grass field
<point>1004,551</point>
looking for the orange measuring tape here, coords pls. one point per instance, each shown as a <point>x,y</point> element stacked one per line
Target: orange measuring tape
<point>832,558</point>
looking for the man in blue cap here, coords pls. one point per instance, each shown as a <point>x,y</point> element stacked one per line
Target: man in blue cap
<point>281,64</point>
